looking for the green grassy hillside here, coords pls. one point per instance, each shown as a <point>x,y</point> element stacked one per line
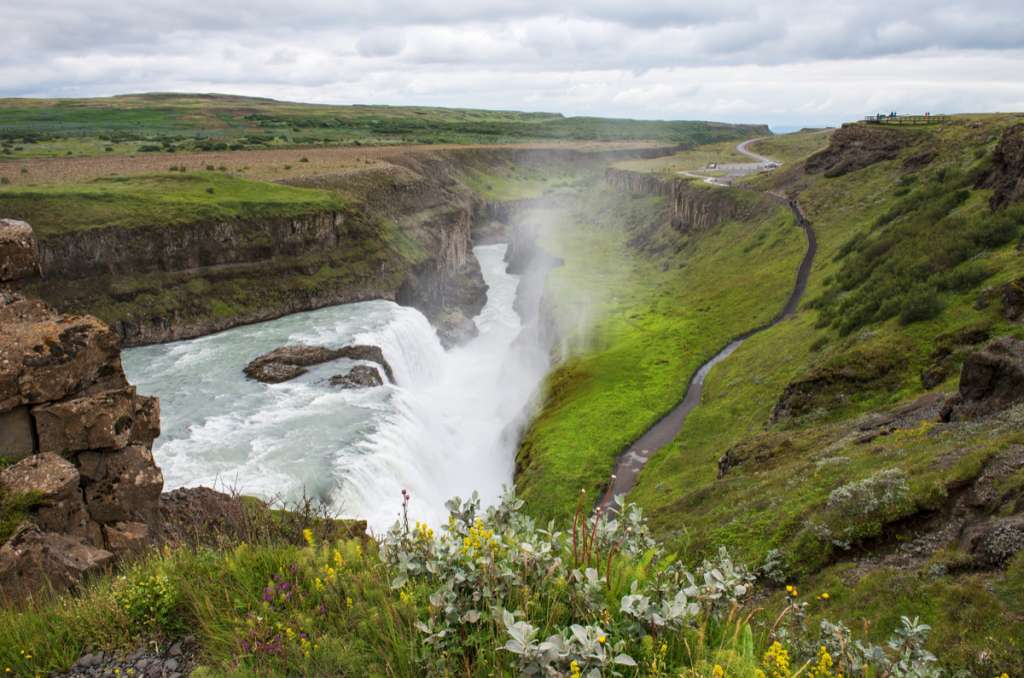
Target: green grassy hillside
<point>155,123</point>
<point>908,246</point>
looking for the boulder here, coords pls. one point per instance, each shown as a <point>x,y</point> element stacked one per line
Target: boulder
<point>31,559</point>
<point>991,380</point>
<point>45,357</point>
<point>371,354</point>
<point>50,476</point>
<point>1012,294</point>
<point>18,257</point>
<point>994,542</point>
<point>125,538</point>
<point>289,362</point>
<point>55,481</point>
<point>454,328</point>
<point>17,439</point>
<point>360,376</point>
<point>102,421</point>
<point>193,515</point>
<point>122,486</point>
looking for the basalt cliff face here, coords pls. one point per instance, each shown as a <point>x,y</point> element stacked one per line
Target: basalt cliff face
<point>75,436</point>
<point>692,207</point>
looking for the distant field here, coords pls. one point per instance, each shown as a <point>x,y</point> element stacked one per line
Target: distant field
<point>170,123</point>
<point>264,164</point>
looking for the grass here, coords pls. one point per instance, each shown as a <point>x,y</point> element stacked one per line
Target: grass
<point>157,200</point>
<point>637,328</point>
<point>790,148</point>
<point>181,122</point>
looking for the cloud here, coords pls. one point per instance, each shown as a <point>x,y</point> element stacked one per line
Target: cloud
<point>787,61</point>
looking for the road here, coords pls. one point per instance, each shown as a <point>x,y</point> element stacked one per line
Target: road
<point>736,169</point>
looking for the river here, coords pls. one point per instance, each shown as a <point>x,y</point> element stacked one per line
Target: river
<point>448,427</point>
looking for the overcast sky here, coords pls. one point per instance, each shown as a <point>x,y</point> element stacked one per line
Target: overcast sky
<point>783,62</point>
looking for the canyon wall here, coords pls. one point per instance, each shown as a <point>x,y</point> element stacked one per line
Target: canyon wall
<point>693,206</point>
<point>405,234</point>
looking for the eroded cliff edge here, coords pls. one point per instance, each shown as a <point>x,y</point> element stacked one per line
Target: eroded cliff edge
<point>401,230</point>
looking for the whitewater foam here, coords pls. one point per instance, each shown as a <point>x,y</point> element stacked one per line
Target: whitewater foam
<point>436,433</point>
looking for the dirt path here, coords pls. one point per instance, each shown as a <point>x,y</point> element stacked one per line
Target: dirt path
<point>635,457</point>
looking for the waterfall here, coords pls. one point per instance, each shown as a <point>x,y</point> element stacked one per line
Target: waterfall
<point>438,432</point>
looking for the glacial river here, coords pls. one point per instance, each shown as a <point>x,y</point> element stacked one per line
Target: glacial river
<point>446,428</point>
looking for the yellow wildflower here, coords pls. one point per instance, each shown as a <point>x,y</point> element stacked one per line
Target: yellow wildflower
<point>824,595</point>
<point>602,639</point>
<point>348,601</point>
<point>307,534</point>
<point>338,560</point>
<point>823,667</point>
<point>574,669</point>
<point>776,661</point>
<point>718,671</point>
<point>404,596</point>
<point>791,590</point>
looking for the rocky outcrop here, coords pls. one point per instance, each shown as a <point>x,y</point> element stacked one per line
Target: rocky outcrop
<point>1006,177</point>
<point>838,379</point>
<point>17,250</point>
<point>288,362</point>
<point>454,328</point>
<point>360,376</point>
<point>855,146</point>
<point>79,438</point>
<point>692,207</point>
<point>1012,294</point>
<point>991,380</point>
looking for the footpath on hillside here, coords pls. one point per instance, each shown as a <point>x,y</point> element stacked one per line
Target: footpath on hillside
<point>633,459</point>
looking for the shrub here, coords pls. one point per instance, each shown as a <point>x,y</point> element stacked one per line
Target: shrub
<point>922,303</point>
<point>963,277</point>
<point>148,600</point>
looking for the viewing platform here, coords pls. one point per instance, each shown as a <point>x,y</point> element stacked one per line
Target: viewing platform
<point>927,119</point>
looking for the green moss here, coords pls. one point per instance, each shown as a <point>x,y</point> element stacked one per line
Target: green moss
<point>15,508</point>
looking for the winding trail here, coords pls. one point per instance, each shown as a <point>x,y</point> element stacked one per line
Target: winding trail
<point>635,457</point>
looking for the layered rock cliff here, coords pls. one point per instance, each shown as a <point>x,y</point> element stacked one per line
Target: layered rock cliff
<point>74,435</point>
<point>692,207</point>
<point>404,234</point>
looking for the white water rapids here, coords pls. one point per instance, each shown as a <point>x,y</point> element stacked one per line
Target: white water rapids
<point>443,430</point>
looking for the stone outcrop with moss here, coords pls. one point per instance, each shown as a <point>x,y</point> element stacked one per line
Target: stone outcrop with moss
<point>75,440</point>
